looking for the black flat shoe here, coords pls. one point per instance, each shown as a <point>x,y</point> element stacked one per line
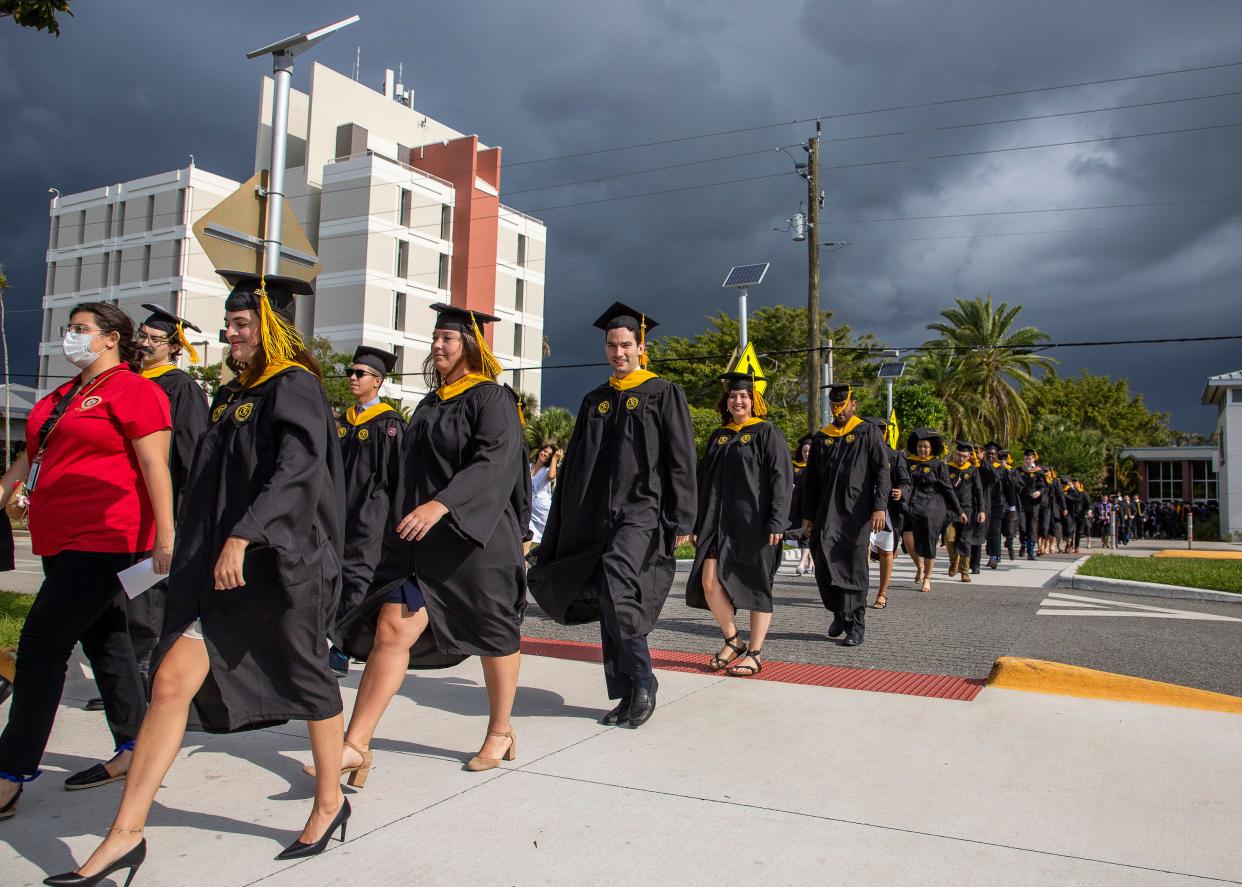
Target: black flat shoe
<point>91,777</point>
<point>619,714</point>
<point>853,639</point>
<point>95,704</point>
<point>131,860</point>
<point>9,810</point>
<point>642,706</point>
<point>297,849</point>
<point>836,629</point>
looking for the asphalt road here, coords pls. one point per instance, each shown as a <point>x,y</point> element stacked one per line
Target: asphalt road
<point>960,629</point>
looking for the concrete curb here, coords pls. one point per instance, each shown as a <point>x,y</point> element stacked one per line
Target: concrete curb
<point>1069,578</point>
<point>1038,676</point>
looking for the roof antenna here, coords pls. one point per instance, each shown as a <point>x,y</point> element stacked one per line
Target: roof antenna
<point>358,64</point>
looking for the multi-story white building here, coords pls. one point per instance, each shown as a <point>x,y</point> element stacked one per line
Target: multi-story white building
<point>403,211</point>
<point>128,244</point>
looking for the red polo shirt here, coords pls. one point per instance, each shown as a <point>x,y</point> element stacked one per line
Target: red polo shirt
<point>90,494</point>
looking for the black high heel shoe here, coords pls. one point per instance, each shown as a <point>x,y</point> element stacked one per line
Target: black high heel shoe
<point>131,860</point>
<point>297,849</point>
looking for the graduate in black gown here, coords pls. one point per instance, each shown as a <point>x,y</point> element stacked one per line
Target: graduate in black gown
<point>625,500</point>
<point>745,480</point>
<point>844,500</point>
<point>255,575</point>
<point>1032,489</point>
<point>162,340</point>
<point>998,493</point>
<point>452,558</point>
<point>370,432</point>
<point>933,502</point>
<point>962,535</point>
<point>802,537</point>
<point>899,481</point>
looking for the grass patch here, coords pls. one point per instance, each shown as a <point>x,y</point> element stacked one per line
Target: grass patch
<point>685,552</point>
<point>1219,575</point>
<point>13,610</point>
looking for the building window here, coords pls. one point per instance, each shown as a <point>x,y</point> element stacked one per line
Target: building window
<point>446,222</point>
<point>517,340</point>
<point>146,263</point>
<point>399,350</point>
<point>1235,395</point>
<point>82,227</point>
<point>443,281</point>
<point>120,219</point>
<point>116,268</point>
<point>403,213</point>
<point>519,297</point>
<point>77,275</point>
<point>521,255</point>
<point>176,260</point>
<point>403,259</point>
<point>51,280</point>
<point>108,213</point>
<point>55,232</point>
<point>150,212</point>
<point>1164,481</point>
<point>1202,481</point>
<point>398,312</point>
<point>181,203</point>
<point>103,274</point>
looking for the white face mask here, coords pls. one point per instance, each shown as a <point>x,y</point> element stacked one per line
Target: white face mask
<point>77,348</point>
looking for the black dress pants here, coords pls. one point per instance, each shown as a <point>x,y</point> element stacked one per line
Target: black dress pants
<point>80,600</point>
<point>627,661</point>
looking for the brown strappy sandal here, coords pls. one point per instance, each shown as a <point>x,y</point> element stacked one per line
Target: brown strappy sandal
<point>717,663</point>
<point>357,774</point>
<point>747,671</point>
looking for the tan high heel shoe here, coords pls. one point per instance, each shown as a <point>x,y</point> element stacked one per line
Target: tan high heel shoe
<point>357,775</point>
<point>478,763</point>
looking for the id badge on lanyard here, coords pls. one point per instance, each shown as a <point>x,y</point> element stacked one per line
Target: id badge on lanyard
<point>33,477</point>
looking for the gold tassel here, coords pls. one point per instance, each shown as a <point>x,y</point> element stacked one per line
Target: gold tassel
<point>281,340</point>
<point>521,413</point>
<point>491,366</point>
<point>185,343</point>
<point>642,341</point>
<point>759,406</point>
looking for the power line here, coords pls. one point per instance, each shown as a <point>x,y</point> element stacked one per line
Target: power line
<point>1053,209</point>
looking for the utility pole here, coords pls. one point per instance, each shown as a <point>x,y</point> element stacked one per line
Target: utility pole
<point>813,414</point>
<point>8,388</point>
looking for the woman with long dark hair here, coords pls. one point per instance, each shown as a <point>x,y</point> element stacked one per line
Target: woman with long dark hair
<point>745,480</point>
<point>454,562</point>
<point>255,578</point>
<point>543,469</point>
<point>932,501</point>
<point>806,563</point>
<point>96,472</point>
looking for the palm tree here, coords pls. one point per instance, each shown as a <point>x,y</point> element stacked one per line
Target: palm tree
<point>989,357</point>
<point>554,424</point>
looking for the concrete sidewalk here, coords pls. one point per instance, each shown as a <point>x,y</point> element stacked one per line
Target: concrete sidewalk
<point>732,781</point>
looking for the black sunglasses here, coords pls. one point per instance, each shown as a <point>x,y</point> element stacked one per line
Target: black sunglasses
<point>359,374</point>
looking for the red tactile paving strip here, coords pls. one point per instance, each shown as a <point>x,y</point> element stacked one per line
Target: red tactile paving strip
<point>877,680</point>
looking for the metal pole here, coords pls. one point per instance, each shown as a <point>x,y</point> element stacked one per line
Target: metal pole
<point>8,389</point>
<point>814,410</point>
<point>743,337</point>
<point>825,409</point>
<point>282,75</point>
<point>1190,525</point>
<point>890,401</point>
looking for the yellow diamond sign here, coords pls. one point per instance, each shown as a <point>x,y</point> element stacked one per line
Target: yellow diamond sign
<point>749,363</point>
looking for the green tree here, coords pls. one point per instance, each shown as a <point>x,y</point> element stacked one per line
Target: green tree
<point>989,359</point>
<point>1074,451</point>
<point>778,333</point>
<point>207,376</point>
<point>334,365</point>
<point>915,404</point>
<point>555,424</point>
<point>38,14</point>
<point>1101,404</point>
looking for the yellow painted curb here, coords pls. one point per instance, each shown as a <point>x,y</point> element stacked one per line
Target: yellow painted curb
<point>1039,676</point>
<point>1195,553</point>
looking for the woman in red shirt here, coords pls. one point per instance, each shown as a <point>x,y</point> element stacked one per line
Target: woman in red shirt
<point>100,501</point>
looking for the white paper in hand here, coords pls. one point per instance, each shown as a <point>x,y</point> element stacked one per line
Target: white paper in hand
<point>138,578</point>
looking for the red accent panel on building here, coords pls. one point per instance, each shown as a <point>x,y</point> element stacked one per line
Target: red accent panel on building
<point>475,218</point>
<point>879,681</point>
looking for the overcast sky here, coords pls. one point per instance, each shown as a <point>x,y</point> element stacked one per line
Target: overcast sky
<point>132,88</point>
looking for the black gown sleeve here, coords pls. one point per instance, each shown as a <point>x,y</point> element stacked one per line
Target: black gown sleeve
<point>976,490</point>
<point>680,499</point>
<point>877,463</point>
<point>809,492</point>
<point>778,468</point>
<point>946,490</point>
<point>475,496</point>
<point>904,482</point>
<point>283,511</point>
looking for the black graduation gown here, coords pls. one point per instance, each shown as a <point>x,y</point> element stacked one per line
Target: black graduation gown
<point>268,469</point>
<point>467,453</point>
<point>626,490</point>
<point>795,500</point>
<point>189,420</point>
<point>745,481</point>
<point>847,481</point>
<point>933,502</point>
<point>968,485</point>
<point>899,479</point>
<point>371,459</point>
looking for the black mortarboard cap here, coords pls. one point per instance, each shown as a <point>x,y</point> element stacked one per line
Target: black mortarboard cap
<point>451,317</point>
<point>281,292</point>
<point>964,445</point>
<point>876,420</point>
<point>927,434</point>
<point>838,393</point>
<point>992,445</point>
<point>806,438</point>
<point>736,381</point>
<point>165,321</point>
<point>619,315</point>
<point>376,358</point>
<point>1029,452</point>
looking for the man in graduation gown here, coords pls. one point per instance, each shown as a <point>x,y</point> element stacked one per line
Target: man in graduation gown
<point>844,498</point>
<point>625,498</point>
<point>370,432</point>
<point>1032,489</point>
<point>968,534</point>
<point>999,495</point>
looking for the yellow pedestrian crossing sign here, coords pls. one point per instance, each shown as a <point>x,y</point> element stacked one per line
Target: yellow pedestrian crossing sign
<point>749,363</point>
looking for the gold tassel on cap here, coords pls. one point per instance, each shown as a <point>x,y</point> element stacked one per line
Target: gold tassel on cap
<point>642,341</point>
<point>281,340</point>
<point>759,405</point>
<point>491,366</point>
<point>185,343</point>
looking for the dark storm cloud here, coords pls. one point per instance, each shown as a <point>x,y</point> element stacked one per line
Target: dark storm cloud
<point>132,89</point>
